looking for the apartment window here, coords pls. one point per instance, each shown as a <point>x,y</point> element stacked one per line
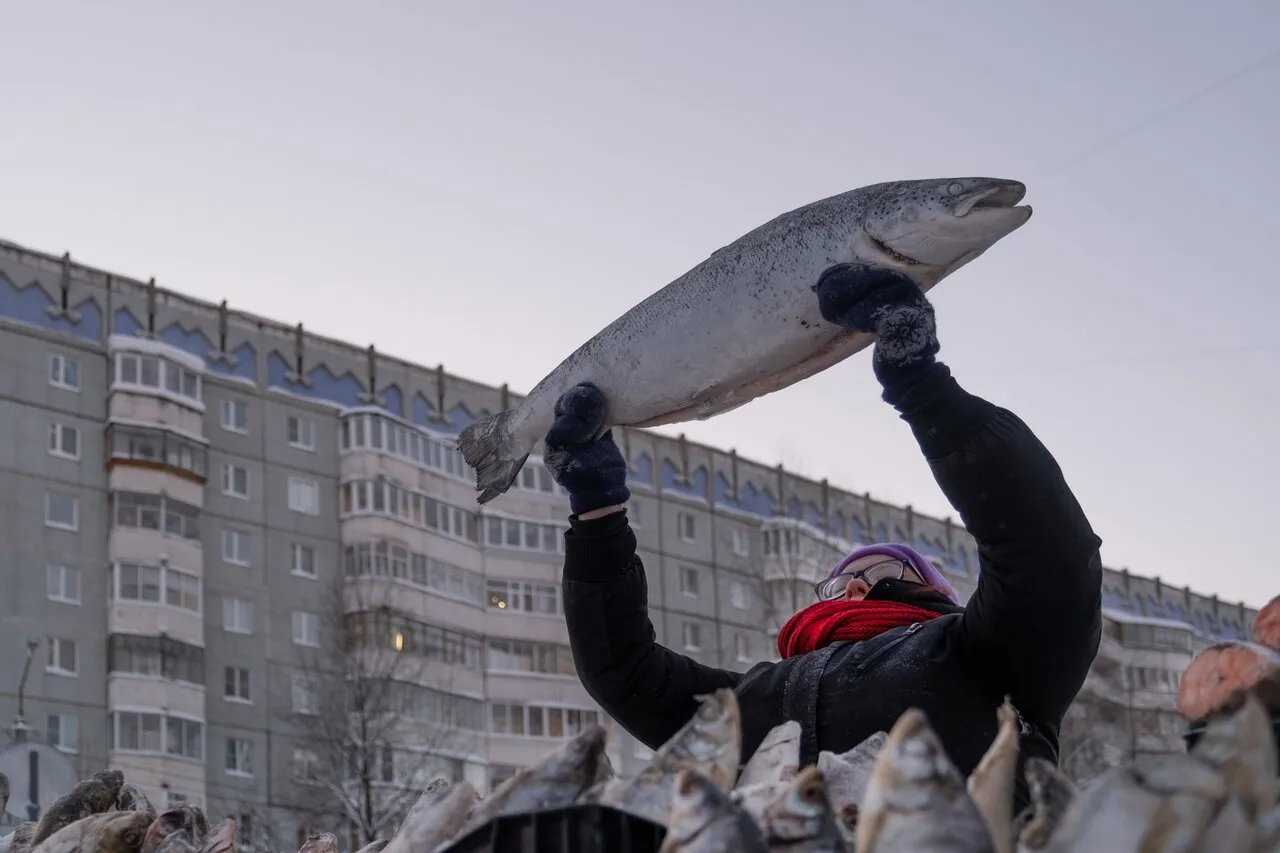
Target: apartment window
<point>239,756</point>
<point>739,542</point>
<point>236,684</point>
<point>64,372</point>
<point>62,731</point>
<point>304,496</point>
<point>500,773</point>
<point>691,633</point>
<point>689,581</point>
<point>522,597</point>
<point>306,629</point>
<point>244,831</point>
<point>64,441</point>
<point>302,433</point>
<point>158,446</point>
<point>303,694</point>
<point>153,373</point>
<point>235,416</point>
<point>524,535</point>
<point>528,656</point>
<point>143,731</point>
<point>740,595</point>
<point>306,765</point>
<point>62,657</point>
<point>235,547</point>
<point>158,513</point>
<point>633,515</point>
<point>303,561</point>
<point>687,525</point>
<point>742,647</point>
<point>235,481</point>
<point>62,511</point>
<point>237,616</point>
<point>540,721</point>
<point>156,584</point>
<point>155,657</point>
<point>63,584</point>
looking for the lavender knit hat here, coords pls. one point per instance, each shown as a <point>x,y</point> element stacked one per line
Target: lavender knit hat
<point>911,557</point>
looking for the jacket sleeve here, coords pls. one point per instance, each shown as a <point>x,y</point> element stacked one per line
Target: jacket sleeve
<point>1034,622</point>
<point>648,689</point>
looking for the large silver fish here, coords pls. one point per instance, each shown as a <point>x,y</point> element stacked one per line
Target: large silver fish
<point>745,322</point>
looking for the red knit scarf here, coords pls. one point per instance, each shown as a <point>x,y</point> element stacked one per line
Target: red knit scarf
<point>838,621</point>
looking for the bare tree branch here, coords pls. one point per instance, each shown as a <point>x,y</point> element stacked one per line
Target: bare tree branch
<point>368,732</point>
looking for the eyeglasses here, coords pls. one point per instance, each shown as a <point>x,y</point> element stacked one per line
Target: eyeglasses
<point>833,588</point>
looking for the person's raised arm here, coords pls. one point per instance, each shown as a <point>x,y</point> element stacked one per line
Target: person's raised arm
<point>1034,622</point>
<point>648,689</point>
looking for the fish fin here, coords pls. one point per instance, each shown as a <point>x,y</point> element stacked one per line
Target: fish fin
<point>489,447</point>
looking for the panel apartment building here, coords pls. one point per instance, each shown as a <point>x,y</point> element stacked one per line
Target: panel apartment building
<point>184,486</point>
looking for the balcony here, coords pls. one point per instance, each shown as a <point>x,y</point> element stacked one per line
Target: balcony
<point>152,528</point>
<point>157,460</point>
<point>158,749</point>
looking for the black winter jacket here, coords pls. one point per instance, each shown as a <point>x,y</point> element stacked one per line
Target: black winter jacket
<point>1030,630</point>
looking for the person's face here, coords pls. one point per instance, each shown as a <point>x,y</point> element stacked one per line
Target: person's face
<point>858,577</point>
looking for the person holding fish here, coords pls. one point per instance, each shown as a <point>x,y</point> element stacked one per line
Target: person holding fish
<point>887,631</point>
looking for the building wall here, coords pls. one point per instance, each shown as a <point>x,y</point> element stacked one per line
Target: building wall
<point>731,546</point>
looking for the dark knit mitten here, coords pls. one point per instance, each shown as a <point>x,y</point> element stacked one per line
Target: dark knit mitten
<point>590,469</point>
<point>888,304</point>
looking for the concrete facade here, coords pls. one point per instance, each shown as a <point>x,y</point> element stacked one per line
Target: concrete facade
<point>184,486</point>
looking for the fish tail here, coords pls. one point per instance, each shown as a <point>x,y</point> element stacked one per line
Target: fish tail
<point>490,447</point>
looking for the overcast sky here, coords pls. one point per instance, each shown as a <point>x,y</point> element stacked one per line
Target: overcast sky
<point>488,184</point>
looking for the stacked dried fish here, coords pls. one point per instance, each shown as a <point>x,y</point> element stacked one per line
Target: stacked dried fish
<point>105,814</point>
<point>898,792</point>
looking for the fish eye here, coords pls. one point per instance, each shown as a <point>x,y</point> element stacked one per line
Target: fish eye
<point>955,188</point>
<point>812,793</point>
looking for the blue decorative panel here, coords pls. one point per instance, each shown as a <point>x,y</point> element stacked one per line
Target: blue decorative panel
<point>795,509</point>
<point>698,482</point>
<point>124,323</point>
<point>642,470</point>
<point>423,414</point>
<point>393,400</point>
<point>836,524</point>
<point>813,515</point>
<point>668,473</point>
<point>756,501</point>
<point>722,488</point>
<point>882,533</point>
<point>345,390</point>
<point>193,341</point>
<point>459,418</point>
<point>931,548</point>
<point>1114,600</point>
<point>30,304</point>
<point>857,533</point>
<point>244,364</point>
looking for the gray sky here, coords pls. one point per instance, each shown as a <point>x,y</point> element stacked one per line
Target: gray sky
<point>487,184</point>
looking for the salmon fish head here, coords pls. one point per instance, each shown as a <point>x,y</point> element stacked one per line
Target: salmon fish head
<point>930,228</point>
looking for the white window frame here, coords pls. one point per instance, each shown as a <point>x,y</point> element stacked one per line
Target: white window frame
<point>227,411</point>
<point>57,441</point>
<point>58,372</point>
<point>302,621</point>
<point>687,526</point>
<point>233,543</point>
<point>742,647</point>
<point>300,432</point>
<point>243,681</point>
<point>299,486</point>
<point>239,751</point>
<point>239,607</point>
<point>688,628</point>
<point>296,552</point>
<point>54,663</point>
<point>739,542</point>
<point>74,526</point>
<point>740,601</point>
<point>62,572</point>
<point>229,471</point>
<point>66,722</point>
<point>690,573</point>
<point>304,695</point>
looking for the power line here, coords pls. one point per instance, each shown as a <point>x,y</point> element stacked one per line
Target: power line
<point>1165,112</point>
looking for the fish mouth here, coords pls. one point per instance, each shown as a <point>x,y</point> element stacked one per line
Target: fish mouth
<point>1001,197</point>
<point>892,253</point>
